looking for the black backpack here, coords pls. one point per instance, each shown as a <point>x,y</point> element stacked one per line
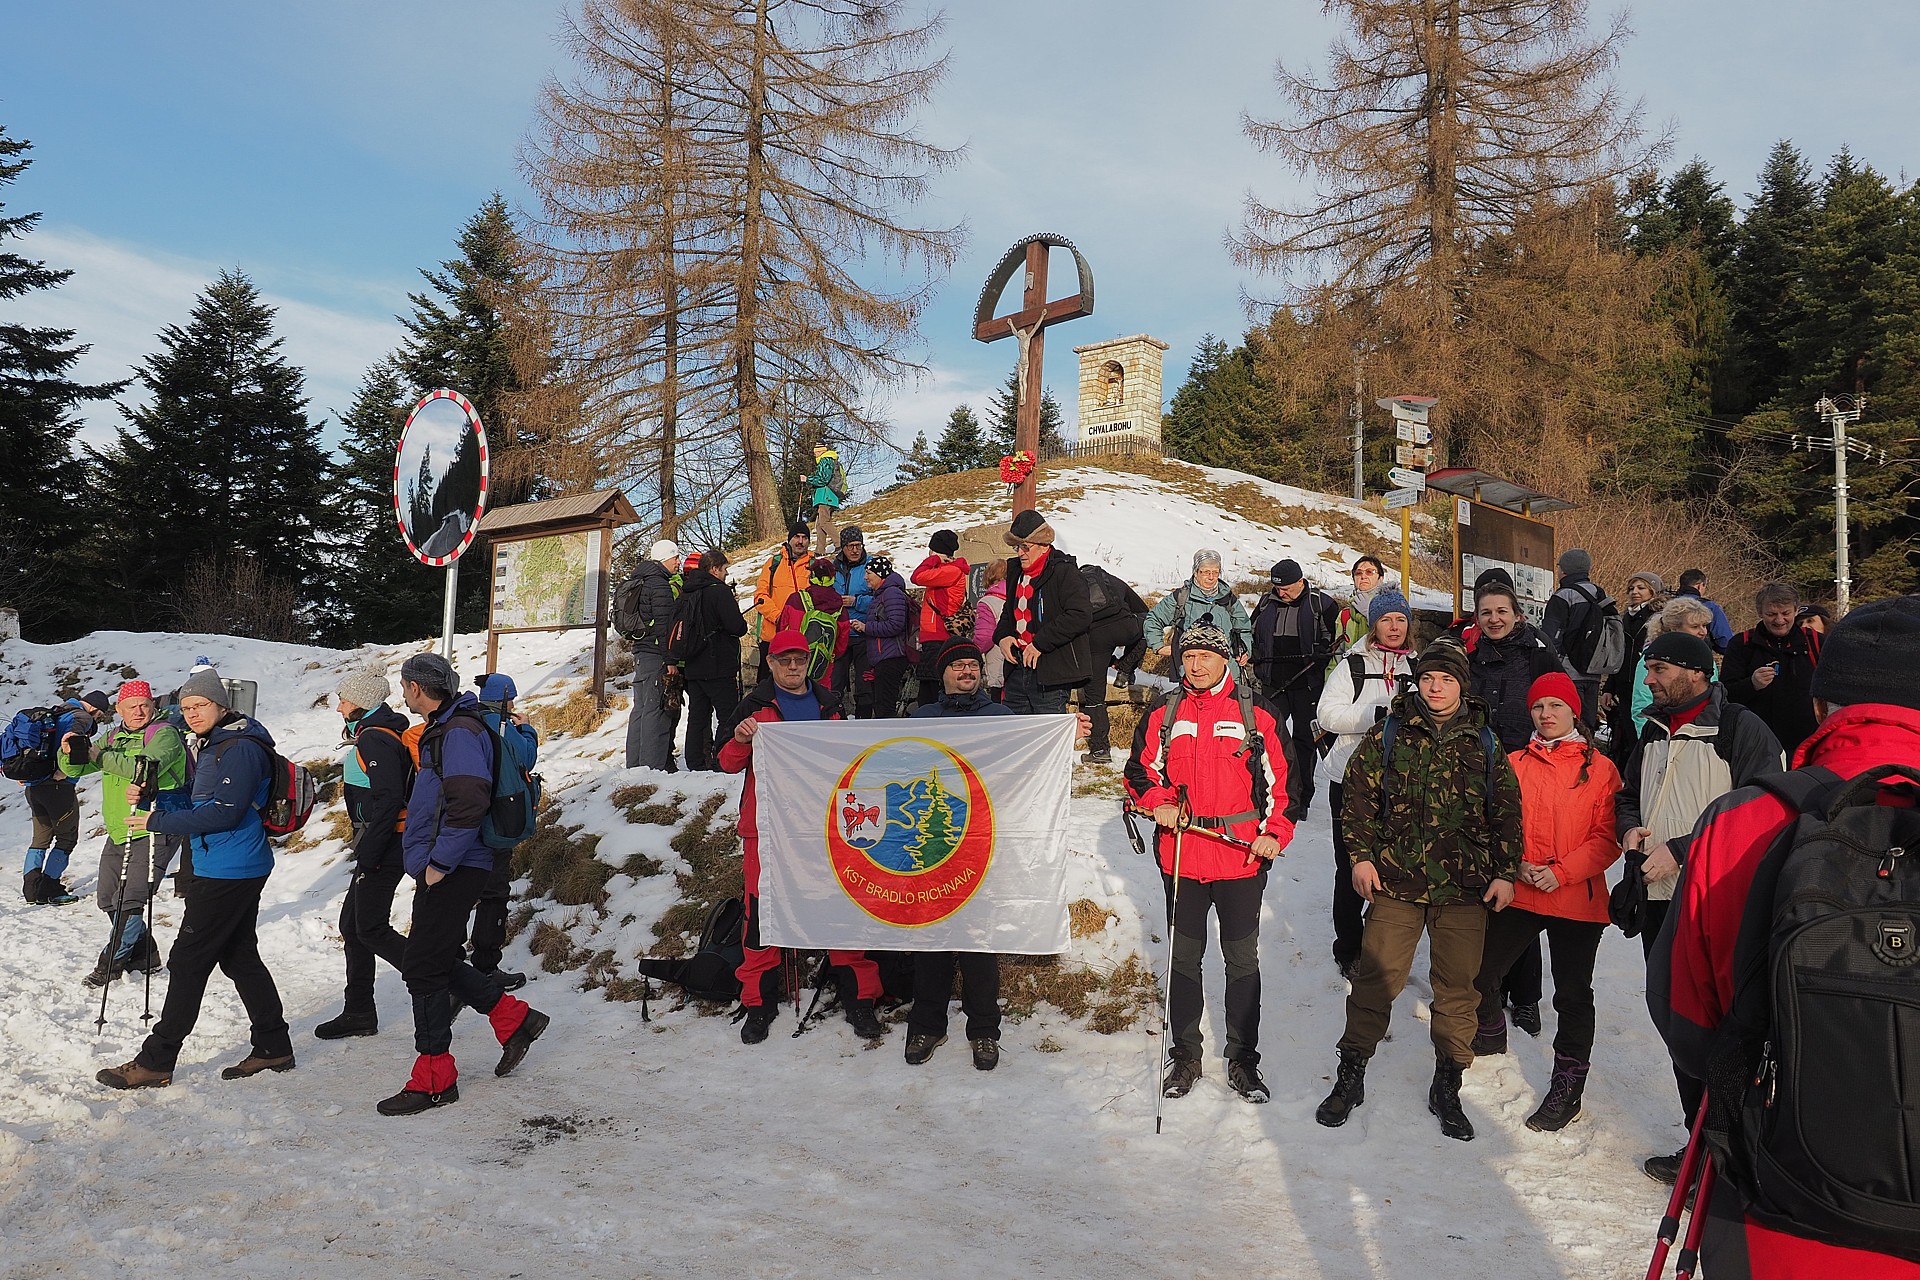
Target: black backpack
<point>1811,1079</point>
<point>710,972</point>
<point>630,618</point>
<point>689,634</point>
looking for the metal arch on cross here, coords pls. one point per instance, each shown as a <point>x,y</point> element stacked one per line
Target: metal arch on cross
<point>1028,326</point>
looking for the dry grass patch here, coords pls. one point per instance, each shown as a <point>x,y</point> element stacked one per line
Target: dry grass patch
<point>711,849</point>
<point>561,864</point>
<point>1085,917</point>
<point>573,716</point>
<point>636,802</point>
<point>555,949</point>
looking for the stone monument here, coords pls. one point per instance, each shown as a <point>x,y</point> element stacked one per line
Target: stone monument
<point>1120,391</point>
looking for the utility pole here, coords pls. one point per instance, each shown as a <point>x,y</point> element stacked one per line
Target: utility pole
<point>1357,412</point>
<point>1836,417</point>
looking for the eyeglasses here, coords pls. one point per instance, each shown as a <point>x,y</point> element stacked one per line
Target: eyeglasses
<point>788,659</point>
<point>1021,548</point>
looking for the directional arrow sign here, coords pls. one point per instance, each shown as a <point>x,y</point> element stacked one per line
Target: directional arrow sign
<point>1407,479</point>
<point>1394,499</point>
<point>1410,456</point>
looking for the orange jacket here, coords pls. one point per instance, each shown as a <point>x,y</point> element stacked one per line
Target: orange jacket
<point>779,578</point>
<point>1567,824</point>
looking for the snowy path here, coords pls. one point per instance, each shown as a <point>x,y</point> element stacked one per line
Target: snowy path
<point>624,1150</point>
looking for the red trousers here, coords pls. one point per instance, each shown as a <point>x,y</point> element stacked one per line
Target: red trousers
<point>757,969</point>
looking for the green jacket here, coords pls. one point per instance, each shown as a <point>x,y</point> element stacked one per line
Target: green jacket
<point>820,483</point>
<point>1432,831</point>
<point>113,756</point>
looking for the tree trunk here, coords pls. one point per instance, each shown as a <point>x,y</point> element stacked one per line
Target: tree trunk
<point>761,483</point>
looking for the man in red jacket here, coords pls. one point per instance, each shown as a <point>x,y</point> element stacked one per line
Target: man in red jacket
<point>789,695</point>
<point>1219,749</point>
<point>1869,704</point>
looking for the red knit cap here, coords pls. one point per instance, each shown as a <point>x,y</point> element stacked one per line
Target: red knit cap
<point>133,689</point>
<point>1555,684</point>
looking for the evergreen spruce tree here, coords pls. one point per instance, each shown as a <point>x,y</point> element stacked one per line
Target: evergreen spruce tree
<point>42,503</point>
<point>1769,255</point>
<point>920,463</point>
<point>221,466</point>
<point>1001,418</point>
<point>963,445</point>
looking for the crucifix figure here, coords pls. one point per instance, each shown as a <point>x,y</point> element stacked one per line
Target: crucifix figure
<point>1028,327</point>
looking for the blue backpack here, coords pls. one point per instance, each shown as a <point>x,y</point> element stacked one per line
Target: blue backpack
<point>28,745</point>
<point>516,788</point>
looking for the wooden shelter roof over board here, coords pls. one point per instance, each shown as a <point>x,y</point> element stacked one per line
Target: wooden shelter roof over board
<point>610,507</point>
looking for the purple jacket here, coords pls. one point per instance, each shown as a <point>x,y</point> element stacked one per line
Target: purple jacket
<point>451,793</point>
<point>888,617</point>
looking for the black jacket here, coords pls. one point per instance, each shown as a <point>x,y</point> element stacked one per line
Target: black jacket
<point>656,604</point>
<point>376,809</point>
<point>1503,671</point>
<point>709,609</point>
<point>1786,705</point>
<point>1298,661</point>
<point>1063,617</point>
<point>1569,612</point>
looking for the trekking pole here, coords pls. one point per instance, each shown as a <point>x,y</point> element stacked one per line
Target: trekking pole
<point>113,939</point>
<point>1166,991</point>
<point>146,777</point>
<point>1218,833</point>
<point>1697,1223</point>
<point>1677,1202</point>
<point>821,981</point>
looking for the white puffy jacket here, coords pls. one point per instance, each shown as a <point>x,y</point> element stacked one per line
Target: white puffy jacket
<point>1348,714</point>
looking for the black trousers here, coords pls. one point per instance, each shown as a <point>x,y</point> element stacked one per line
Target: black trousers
<point>366,927</point>
<point>431,963</point>
<point>1298,703</point>
<point>1238,904</point>
<point>882,693</point>
<point>1125,634</point>
<point>850,677</point>
<point>933,990</point>
<point>1692,1089</point>
<point>490,914</point>
<point>709,702</point>
<point>55,808</point>
<point>217,930</point>
<point>1348,905</point>
<point>1573,944</point>
<point>930,689</point>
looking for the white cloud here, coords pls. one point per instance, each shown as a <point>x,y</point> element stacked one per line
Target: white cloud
<point>122,295</point>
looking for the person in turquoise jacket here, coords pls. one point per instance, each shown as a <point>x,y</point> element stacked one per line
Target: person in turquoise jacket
<point>1204,598</point>
<point>232,780</point>
<point>130,868</point>
<point>826,489</point>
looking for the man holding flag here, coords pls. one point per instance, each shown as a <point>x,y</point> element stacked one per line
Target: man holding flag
<point>1212,767</point>
<point>787,696</point>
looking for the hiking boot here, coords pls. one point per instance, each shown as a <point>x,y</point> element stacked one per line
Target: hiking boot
<point>754,1029</point>
<point>507,980</point>
<point>145,957</point>
<point>1100,757</point>
<point>986,1054</point>
<point>1349,1091</point>
<point>920,1048</point>
<point>348,1024</point>
<point>1183,1072</point>
<point>1527,1018</point>
<point>1443,1100</point>
<point>410,1102</point>
<point>861,1018</point>
<point>515,1047</point>
<point>1244,1079</point>
<point>1664,1169</point>
<point>1490,1038</point>
<point>253,1064</point>
<point>104,971</point>
<point>132,1075</point>
<point>1562,1103</point>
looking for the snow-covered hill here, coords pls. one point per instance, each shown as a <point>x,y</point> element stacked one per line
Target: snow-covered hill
<point>626,1148</point>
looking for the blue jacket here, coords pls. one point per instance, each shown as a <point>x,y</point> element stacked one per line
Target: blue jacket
<point>888,618</point>
<point>977,703</point>
<point>232,777</point>
<point>851,581</point>
<point>1719,631</point>
<point>451,793</point>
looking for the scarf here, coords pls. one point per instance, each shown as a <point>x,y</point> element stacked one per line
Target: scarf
<point>1023,593</point>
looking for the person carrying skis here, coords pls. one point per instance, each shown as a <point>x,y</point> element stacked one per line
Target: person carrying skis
<point>1213,768</point>
<point>31,749</point>
<point>232,780</point>
<point>129,868</point>
<point>787,696</point>
<point>1432,813</point>
<point>376,776</point>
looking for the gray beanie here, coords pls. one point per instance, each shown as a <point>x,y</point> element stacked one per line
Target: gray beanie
<point>431,672</point>
<point>1575,563</point>
<point>1655,583</point>
<point>206,683</point>
<point>364,689</point>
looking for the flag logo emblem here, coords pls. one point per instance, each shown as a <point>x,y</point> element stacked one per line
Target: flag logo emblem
<point>910,831</point>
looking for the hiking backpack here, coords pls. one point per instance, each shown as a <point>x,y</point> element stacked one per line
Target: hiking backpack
<point>821,630</point>
<point>629,617</point>
<point>28,746</point>
<point>710,972</point>
<point>1599,648</point>
<point>290,797</point>
<point>516,788</point>
<point>837,483</point>
<point>410,741</point>
<point>686,637</point>
<point>1810,1076</point>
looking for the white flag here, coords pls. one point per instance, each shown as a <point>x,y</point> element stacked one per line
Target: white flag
<point>938,834</point>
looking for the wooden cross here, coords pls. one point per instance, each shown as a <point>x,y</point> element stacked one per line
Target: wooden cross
<point>1028,326</point>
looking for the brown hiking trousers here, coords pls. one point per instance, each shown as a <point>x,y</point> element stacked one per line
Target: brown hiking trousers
<point>1456,935</point>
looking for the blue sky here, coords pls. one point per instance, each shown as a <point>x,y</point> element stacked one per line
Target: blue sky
<point>331,150</point>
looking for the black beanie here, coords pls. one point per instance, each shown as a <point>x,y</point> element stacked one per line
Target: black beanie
<point>1683,649</point>
<point>798,529</point>
<point>958,650</point>
<point>944,542</point>
<point>1871,655</point>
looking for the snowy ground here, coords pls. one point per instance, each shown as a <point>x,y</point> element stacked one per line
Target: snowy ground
<point>624,1150</point>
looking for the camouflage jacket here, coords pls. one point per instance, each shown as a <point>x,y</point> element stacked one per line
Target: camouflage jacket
<point>1425,819</point>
